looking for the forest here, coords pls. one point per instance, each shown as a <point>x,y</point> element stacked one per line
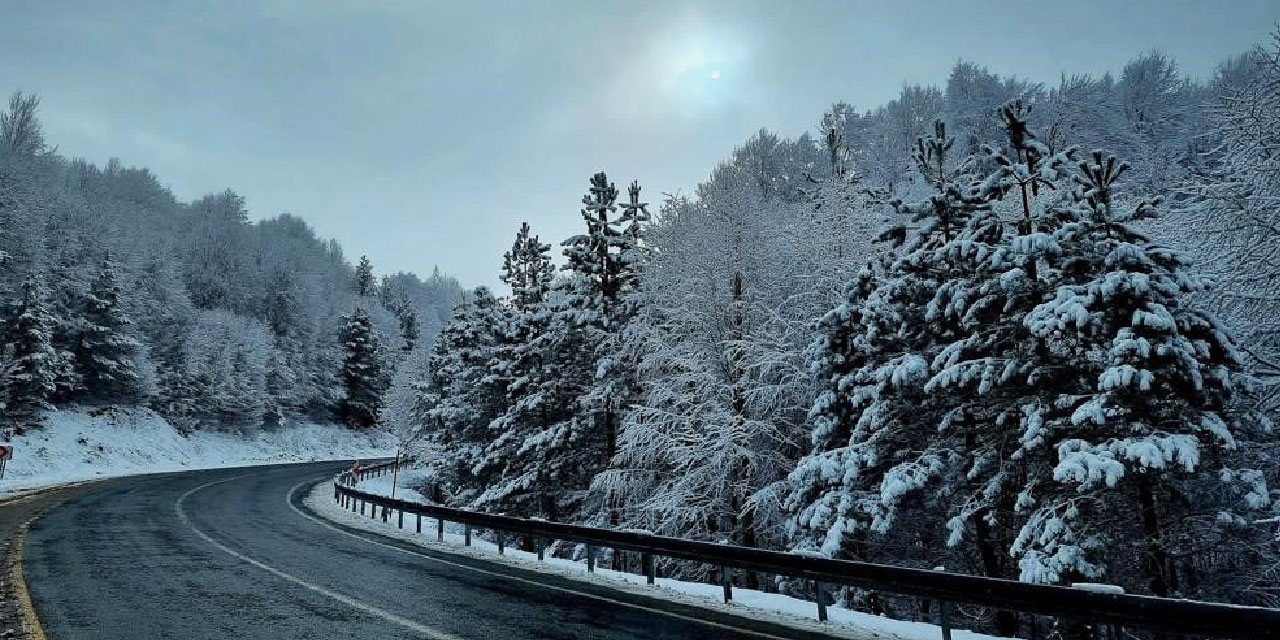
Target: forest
<point>115,293</point>
<point>996,327</point>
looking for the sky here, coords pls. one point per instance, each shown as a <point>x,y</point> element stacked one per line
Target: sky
<point>422,133</point>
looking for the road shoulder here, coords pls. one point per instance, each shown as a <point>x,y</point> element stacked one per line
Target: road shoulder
<point>313,500</point>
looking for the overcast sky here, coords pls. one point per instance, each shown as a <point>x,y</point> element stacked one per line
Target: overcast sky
<point>421,133</point>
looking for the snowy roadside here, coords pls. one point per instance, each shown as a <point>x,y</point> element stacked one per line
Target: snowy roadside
<point>770,607</point>
<point>79,445</point>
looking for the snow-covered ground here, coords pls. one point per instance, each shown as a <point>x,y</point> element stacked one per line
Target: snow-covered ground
<point>772,607</point>
<point>77,445</point>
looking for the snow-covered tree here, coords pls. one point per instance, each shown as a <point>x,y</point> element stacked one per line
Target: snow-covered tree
<point>872,359</point>
<point>461,396</point>
<point>1030,382</point>
<point>29,376</point>
<point>1230,219</point>
<point>560,428</point>
<point>410,330</point>
<point>365,283</point>
<point>527,270</point>
<point>1144,413</point>
<point>107,355</point>
<point>363,378</point>
<point>20,130</point>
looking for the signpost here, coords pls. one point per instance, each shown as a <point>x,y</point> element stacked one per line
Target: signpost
<point>6,452</point>
<point>395,473</point>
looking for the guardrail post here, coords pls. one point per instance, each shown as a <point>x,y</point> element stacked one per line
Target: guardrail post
<point>944,619</point>
<point>439,530</point>
<point>466,535</point>
<point>502,542</point>
<point>362,507</point>
<point>726,579</point>
<point>820,591</point>
<point>401,524</point>
<point>591,559</point>
<point>419,529</point>
<point>646,563</point>
<point>537,544</point>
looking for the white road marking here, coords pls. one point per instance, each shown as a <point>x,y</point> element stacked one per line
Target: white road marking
<point>507,576</point>
<point>416,627</point>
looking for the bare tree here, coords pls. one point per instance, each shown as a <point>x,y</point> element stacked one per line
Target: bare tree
<point>20,130</point>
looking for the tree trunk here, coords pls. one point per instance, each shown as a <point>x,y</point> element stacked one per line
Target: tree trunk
<point>1156,560</point>
<point>1006,621</point>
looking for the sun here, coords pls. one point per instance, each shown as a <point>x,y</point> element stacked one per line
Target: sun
<point>691,69</point>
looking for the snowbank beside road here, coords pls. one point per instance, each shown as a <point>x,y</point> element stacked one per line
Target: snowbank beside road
<point>771,607</point>
<point>77,445</point>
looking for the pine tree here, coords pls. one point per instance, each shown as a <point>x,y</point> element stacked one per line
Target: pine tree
<point>365,283</point>
<point>631,251</point>
<point>561,427</point>
<point>1027,387</point>
<point>29,378</point>
<point>68,293</point>
<point>872,359</point>
<point>1144,417</point>
<point>543,452</point>
<point>362,377</point>
<point>605,261</point>
<point>462,397</point>
<point>409,329</point>
<point>107,355</point>
<point>593,255</point>
<point>528,270</point>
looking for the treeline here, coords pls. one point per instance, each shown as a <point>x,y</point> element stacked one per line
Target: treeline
<point>905,341</point>
<point>114,292</point>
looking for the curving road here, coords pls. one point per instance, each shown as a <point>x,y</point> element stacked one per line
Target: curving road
<point>235,554</point>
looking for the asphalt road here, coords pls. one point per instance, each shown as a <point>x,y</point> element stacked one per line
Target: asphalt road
<point>235,554</point>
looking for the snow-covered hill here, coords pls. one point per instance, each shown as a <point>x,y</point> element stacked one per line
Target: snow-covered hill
<point>94,443</point>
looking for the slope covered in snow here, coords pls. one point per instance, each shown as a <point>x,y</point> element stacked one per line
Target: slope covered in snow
<point>79,445</point>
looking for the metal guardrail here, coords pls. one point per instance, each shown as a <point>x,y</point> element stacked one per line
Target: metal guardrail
<point>1184,617</point>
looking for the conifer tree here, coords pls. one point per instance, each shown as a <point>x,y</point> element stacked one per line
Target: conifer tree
<point>1029,387</point>
<point>462,396</point>
<point>66,302</point>
<point>593,255</point>
<point>545,449</point>
<point>365,283</point>
<point>528,270</point>
<point>1144,415</point>
<point>409,329</point>
<point>363,380</point>
<point>107,355</point>
<point>874,425</point>
<point>29,377</point>
<point>635,215</point>
<point>561,426</point>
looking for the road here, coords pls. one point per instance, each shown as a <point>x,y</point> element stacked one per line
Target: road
<point>235,554</point>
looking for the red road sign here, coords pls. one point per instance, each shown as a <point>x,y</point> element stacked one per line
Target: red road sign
<point>6,452</point>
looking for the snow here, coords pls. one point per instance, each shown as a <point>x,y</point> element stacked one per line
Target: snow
<point>771,607</point>
<point>77,445</point>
